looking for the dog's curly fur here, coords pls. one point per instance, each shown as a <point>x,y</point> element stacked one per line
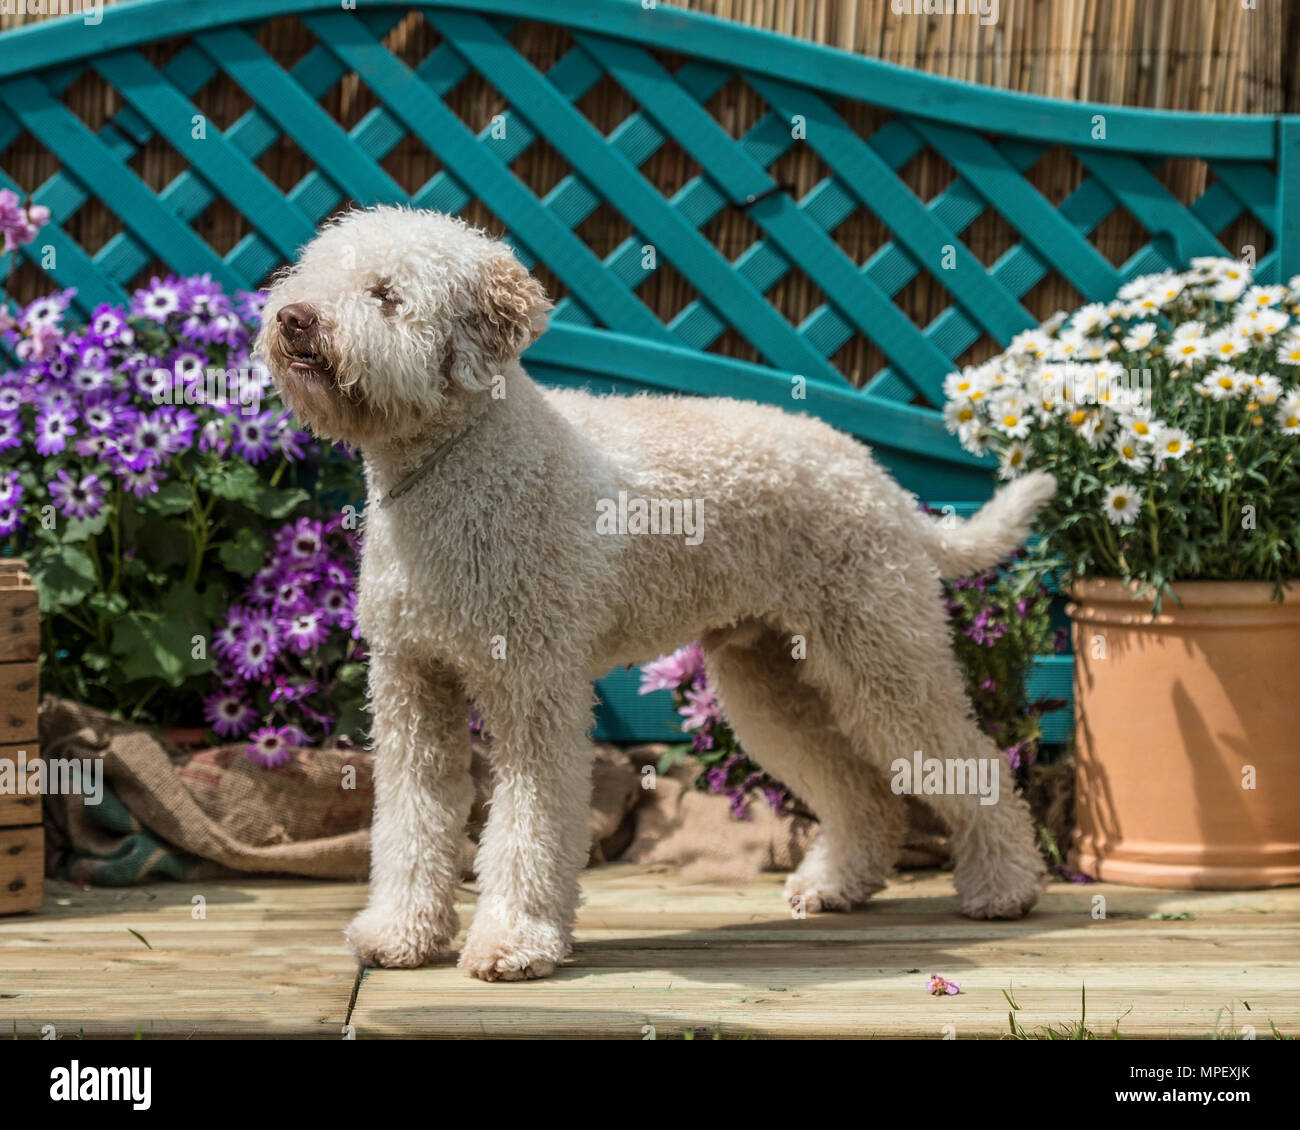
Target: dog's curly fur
<point>489,580</point>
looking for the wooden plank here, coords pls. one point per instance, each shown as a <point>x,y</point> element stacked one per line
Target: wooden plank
<point>20,629</point>
<point>266,960</point>
<point>653,949</point>
<point>22,870</point>
<point>18,701</point>
<point>18,808</point>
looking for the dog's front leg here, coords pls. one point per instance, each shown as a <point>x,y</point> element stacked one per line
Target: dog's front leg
<point>423,793</point>
<point>536,841</point>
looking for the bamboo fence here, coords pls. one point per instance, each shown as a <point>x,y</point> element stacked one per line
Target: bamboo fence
<point>1204,55</point>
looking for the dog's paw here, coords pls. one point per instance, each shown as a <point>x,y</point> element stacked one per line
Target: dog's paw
<point>1010,892</point>
<point>1007,904</point>
<point>819,890</point>
<point>383,940</point>
<point>524,951</point>
<point>504,964</point>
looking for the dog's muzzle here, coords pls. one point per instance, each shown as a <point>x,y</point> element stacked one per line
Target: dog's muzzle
<point>300,334</point>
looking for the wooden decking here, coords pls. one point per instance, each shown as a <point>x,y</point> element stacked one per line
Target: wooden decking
<point>267,960</point>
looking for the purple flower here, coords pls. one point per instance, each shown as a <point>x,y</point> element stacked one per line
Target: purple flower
<point>77,498</point>
<point>110,326</point>
<point>11,491</point>
<point>228,714</point>
<point>11,519</point>
<point>253,437</point>
<point>140,483</point>
<point>269,747</point>
<point>11,431</point>
<point>255,655</point>
<point>1061,640</point>
<point>158,301</point>
<point>307,631</point>
<point>53,428</point>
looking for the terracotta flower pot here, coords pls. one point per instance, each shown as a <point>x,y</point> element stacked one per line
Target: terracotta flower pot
<point>1178,716</point>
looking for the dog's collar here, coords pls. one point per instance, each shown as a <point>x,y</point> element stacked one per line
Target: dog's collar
<point>430,461</point>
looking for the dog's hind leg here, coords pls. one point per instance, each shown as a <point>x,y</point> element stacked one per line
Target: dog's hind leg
<point>784,725</point>
<point>423,793</point>
<point>536,841</point>
<point>895,688</point>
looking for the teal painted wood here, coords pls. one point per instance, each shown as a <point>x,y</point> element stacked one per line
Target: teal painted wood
<point>604,335</point>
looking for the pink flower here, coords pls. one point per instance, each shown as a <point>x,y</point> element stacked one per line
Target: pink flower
<point>939,986</point>
<point>701,709</point>
<point>669,672</point>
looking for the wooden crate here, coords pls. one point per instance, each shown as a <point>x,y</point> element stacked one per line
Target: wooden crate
<point>22,856</point>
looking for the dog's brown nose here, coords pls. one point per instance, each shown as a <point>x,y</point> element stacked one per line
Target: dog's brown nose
<point>297,317</point>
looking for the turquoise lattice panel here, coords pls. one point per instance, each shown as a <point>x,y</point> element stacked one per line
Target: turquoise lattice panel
<point>606,333</point>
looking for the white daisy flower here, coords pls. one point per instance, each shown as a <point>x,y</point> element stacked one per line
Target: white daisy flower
<point>1265,323</point>
<point>1010,415</point>
<point>1130,454</point>
<point>1223,383</point>
<point>1172,443</point>
<point>958,414</point>
<point>1288,352</point>
<point>1090,319</point>
<point>1030,343</point>
<point>1189,331</point>
<point>1229,289</point>
<point>1139,427</point>
<point>1226,346</point>
<point>1014,460</point>
<point>1288,414</point>
<point>1188,351</point>
<point>1167,292</point>
<point>1096,429</point>
<point>1122,504</point>
<point>1257,297</point>
<point>1263,388</point>
<point>1140,336</point>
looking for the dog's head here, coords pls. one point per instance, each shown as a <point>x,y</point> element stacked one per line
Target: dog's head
<point>390,312</point>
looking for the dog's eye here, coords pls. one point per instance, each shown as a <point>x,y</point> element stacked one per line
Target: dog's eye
<point>388,300</point>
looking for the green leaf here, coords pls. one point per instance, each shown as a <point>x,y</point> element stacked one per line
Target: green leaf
<point>235,482</point>
<point>277,502</point>
<point>80,529</point>
<point>107,603</point>
<point>173,497</point>
<point>63,576</point>
<point>155,645</point>
<point>243,553</point>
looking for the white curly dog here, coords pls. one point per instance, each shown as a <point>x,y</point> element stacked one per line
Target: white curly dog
<point>490,572</point>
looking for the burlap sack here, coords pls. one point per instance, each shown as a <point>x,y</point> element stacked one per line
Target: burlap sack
<point>169,813</point>
<point>680,826</point>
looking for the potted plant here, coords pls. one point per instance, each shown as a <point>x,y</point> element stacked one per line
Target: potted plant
<point>1170,418</point>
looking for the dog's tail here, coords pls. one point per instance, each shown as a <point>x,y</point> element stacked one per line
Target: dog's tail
<point>1001,525</point>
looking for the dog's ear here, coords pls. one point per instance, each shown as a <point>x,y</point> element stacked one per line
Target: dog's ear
<point>506,314</point>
